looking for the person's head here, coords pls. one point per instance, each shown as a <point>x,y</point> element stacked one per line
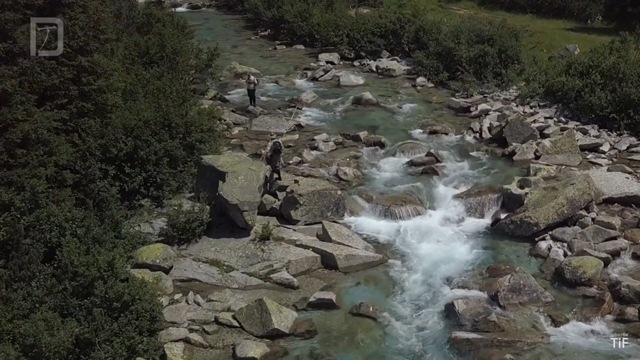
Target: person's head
<point>277,147</point>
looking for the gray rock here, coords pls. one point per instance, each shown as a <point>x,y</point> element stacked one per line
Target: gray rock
<point>341,235</point>
<point>596,234</point>
<point>390,68</point>
<point>155,257</point>
<point>365,310</point>
<point>276,124</point>
<point>474,341</point>
<point>310,201</point>
<point>322,71</point>
<point>285,279</point>
<point>328,76</point>
<point>174,351</point>
<point>197,341</point>
<point>266,318</point>
<point>307,98</point>
<point>565,234</point>
<point>235,183</point>
<point>326,146</point>
<point>182,312</point>
<point>324,300</point>
<point>460,105</point>
<point>625,289</point>
<point>191,298</point>
<point>517,131</point>
<point>268,205</point>
<point>614,247</point>
<point>620,168</point>
<point>519,289</point>
<point>626,314</point>
<point>189,270</point>
<point>549,205</point>
<point>348,174</point>
<point>616,187</point>
<point>608,222</point>
<point>157,278</point>
<point>564,159</point>
<point>298,47</point>
<point>525,153</point>
<point>364,99</point>
<point>541,249</point>
<point>198,300</point>
<point>172,334</point>
<point>584,223</point>
<point>227,319</point>
<point>605,258</point>
<point>237,71</point>
<point>250,350</point>
<point>581,270</point>
<point>421,161</point>
<point>348,79</point>
<point>305,329</point>
<point>589,143</point>
<point>422,82</point>
<point>555,258</point>
<point>623,144</point>
<point>234,118</point>
<point>570,50</point>
<point>330,58</point>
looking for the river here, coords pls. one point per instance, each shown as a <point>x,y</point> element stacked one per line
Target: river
<point>427,250</point>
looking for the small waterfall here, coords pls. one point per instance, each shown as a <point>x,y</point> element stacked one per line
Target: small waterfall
<point>481,204</point>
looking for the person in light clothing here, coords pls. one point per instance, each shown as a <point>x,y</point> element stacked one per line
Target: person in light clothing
<point>252,83</point>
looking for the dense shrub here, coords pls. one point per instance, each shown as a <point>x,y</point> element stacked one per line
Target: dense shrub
<point>84,135</point>
<point>445,49</point>
<point>580,10</point>
<point>624,13</point>
<point>185,224</point>
<point>603,85</point>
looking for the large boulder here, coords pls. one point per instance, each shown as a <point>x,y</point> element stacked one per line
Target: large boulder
<point>616,187</point>
<point>189,270</point>
<point>518,131</point>
<point>234,118</point>
<point>596,234</point>
<point>157,278</point>
<point>276,124</point>
<point>329,58</point>
<point>182,312</point>
<point>390,68</point>
<point>519,289</point>
<point>235,183</point>
<point>580,270</point>
<point>237,71</point>
<point>333,256</point>
<point>341,235</point>
<point>561,150</point>
<point>473,314</point>
<point>155,257</point>
<point>172,334</point>
<point>266,318</point>
<point>364,99</point>
<point>349,79</point>
<point>549,205</point>
<point>625,289</point>
<point>310,201</point>
<point>481,202</point>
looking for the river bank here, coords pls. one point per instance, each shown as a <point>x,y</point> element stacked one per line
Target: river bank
<point>432,254</point>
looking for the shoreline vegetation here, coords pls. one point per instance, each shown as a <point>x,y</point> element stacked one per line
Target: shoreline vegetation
<point>601,86</point>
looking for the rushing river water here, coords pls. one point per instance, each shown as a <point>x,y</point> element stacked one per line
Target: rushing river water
<point>427,250</point>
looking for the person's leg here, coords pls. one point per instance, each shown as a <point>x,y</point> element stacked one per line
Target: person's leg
<point>252,97</point>
<point>277,172</point>
<point>249,96</point>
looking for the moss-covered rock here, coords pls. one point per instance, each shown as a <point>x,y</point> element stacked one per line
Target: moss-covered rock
<point>157,278</point>
<point>155,257</point>
<point>549,205</point>
<point>237,71</point>
<point>580,270</point>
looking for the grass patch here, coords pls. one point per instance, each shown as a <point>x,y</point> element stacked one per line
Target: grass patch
<point>543,36</point>
<point>221,265</point>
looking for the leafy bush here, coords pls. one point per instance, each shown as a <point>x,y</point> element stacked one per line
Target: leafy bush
<point>445,49</point>
<point>624,13</point>
<point>185,224</point>
<point>602,86</point>
<point>266,232</point>
<point>84,135</point>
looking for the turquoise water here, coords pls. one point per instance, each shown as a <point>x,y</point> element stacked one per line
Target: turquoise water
<point>428,250</point>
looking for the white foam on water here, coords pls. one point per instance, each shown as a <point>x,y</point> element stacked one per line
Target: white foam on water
<point>435,246</point>
<point>181,9</point>
<point>304,84</point>
<point>313,116</point>
<point>593,337</point>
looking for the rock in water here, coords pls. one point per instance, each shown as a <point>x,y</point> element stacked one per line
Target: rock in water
<point>348,79</point>
<point>250,350</point>
<point>580,270</point>
<point>625,289</point>
<point>549,205</point>
<point>157,278</point>
<point>156,257</point>
<point>338,234</point>
<point>266,318</point>
<point>520,289</point>
<point>390,68</point>
<point>408,148</point>
<point>364,99</point>
<point>473,314</point>
<point>324,300</point>
<point>365,310</point>
<point>306,98</point>
<point>305,329</point>
<point>310,201</point>
<point>397,207</point>
<point>480,203</point>
<point>235,183</point>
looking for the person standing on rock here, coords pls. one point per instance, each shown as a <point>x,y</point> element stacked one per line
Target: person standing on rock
<point>274,159</point>
<point>252,83</point>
